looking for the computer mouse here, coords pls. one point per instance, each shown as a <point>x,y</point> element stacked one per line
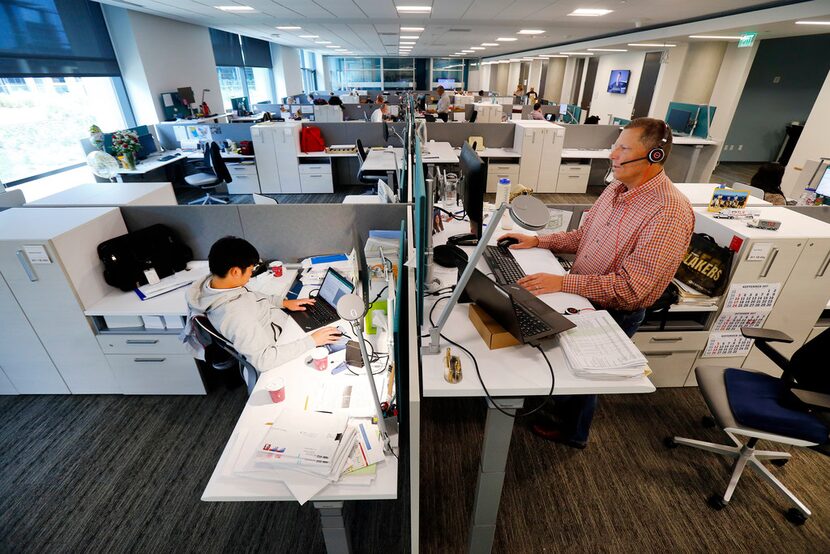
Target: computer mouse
<point>507,242</point>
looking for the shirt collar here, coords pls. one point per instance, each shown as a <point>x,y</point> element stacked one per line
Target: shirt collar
<point>622,192</point>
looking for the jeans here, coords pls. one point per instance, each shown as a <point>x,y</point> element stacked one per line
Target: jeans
<point>577,412</point>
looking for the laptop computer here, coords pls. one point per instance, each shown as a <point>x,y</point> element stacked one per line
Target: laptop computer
<point>523,315</point>
<point>324,311</point>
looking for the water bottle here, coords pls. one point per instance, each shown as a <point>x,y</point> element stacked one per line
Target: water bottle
<point>503,196</point>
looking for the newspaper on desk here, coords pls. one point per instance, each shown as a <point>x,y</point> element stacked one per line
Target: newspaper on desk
<point>597,348</point>
<point>178,280</point>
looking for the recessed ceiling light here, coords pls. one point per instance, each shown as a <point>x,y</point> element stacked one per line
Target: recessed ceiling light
<point>812,22</point>
<point>235,8</point>
<point>490,44</point>
<point>577,53</point>
<point>332,46</point>
<point>716,37</point>
<point>410,37</point>
<point>411,29</point>
<point>588,12</point>
<point>530,32</point>
<point>506,39</point>
<point>652,44</point>
<point>410,43</point>
<point>477,48</point>
<point>553,56</point>
<point>607,50</point>
<point>289,28</point>
<point>309,36</point>
<point>414,9</point>
<point>322,42</point>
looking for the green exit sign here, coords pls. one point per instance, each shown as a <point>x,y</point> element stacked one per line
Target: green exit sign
<point>746,40</point>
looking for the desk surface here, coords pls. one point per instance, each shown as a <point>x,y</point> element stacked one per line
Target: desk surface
<point>197,121</point>
<point>439,153</point>
<point>581,153</point>
<point>699,194</point>
<point>516,370</point>
<point>112,194</point>
<point>693,141</point>
<point>497,153</point>
<point>153,161</point>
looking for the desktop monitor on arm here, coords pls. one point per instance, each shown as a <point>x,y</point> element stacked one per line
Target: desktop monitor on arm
<point>475,185</point>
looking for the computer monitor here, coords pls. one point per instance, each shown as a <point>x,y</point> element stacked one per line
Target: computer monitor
<point>823,187</point>
<point>475,185</point>
<point>618,82</point>
<point>448,84</point>
<point>240,102</point>
<point>678,120</point>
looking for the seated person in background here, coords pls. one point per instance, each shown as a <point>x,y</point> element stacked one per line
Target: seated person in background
<point>481,93</point>
<point>381,114</point>
<point>320,102</point>
<point>335,101</point>
<point>251,321</point>
<point>768,179</point>
<point>537,111</point>
<point>520,90</point>
<point>531,95</point>
<point>380,99</point>
<point>299,115</point>
<point>593,120</point>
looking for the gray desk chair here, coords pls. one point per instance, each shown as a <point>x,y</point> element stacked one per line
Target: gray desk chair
<point>214,174</point>
<point>753,191</point>
<point>12,198</point>
<point>220,353</point>
<point>368,177</point>
<point>792,409</point>
<point>262,200</point>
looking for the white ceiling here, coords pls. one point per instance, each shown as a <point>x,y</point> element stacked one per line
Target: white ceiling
<point>372,27</point>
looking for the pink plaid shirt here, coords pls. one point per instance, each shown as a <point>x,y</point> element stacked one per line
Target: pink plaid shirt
<point>629,246</point>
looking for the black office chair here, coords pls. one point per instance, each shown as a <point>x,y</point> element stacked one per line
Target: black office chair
<point>214,174</point>
<point>473,116</point>
<point>793,409</point>
<point>220,353</point>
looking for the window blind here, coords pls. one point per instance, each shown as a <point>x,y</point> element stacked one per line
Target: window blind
<point>226,48</point>
<point>257,53</point>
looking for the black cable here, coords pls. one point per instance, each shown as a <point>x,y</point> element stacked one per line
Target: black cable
<point>449,213</point>
<point>379,295</point>
<point>480,380</point>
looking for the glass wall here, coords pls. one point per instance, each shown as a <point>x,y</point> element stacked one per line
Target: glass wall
<point>362,73</point>
<point>398,73</point>
<point>308,67</point>
<point>449,71</point>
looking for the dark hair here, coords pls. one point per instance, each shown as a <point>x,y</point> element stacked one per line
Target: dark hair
<point>229,252</point>
<point>537,106</point>
<point>653,131</point>
<point>593,120</point>
<point>335,101</point>
<point>481,93</point>
<point>768,178</point>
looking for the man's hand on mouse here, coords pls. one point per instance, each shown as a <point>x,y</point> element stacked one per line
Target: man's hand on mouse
<point>541,283</point>
<point>326,335</point>
<point>525,241</point>
<point>297,305</point>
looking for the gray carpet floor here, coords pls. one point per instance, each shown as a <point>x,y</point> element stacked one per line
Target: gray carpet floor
<point>625,493</point>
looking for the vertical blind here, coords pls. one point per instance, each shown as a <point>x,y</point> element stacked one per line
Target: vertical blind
<point>55,38</point>
<point>230,50</point>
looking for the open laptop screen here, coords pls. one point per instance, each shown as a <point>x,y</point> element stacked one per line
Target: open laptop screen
<point>334,286</point>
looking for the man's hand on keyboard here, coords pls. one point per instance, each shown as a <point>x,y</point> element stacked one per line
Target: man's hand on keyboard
<point>525,241</point>
<point>297,305</point>
<point>326,335</point>
<point>541,283</point>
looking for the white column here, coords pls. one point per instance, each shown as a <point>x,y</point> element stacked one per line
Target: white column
<point>813,141</point>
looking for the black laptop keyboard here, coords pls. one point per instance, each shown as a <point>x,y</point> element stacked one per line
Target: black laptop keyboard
<point>529,323</point>
<point>321,312</point>
<point>506,270</point>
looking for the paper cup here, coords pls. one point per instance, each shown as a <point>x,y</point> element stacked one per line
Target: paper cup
<point>276,389</point>
<point>320,359</point>
<point>276,268</point>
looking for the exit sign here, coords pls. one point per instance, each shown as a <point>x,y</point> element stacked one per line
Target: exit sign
<point>746,40</point>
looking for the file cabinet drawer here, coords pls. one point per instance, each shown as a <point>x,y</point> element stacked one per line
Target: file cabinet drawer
<point>574,169</point>
<point>687,341</point>
<point>502,168</point>
<point>316,183</point>
<point>316,169</point>
<point>572,183</point>
<point>141,344</point>
<point>241,169</point>
<point>156,374</point>
<point>670,369</point>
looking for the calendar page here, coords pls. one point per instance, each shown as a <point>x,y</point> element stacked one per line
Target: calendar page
<point>730,320</point>
<point>725,345</point>
<point>751,295</point>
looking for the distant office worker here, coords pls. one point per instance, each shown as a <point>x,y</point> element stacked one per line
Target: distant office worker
<point>520,90</point>
<point>537,112</point>
<point>380,114</point>
<point>768,179</point>
<point>251,321</point>
<point>627,251</point>
<point>443,107</point>
<point>531,95</point>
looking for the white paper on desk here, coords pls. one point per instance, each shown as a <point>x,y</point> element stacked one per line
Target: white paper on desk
<point>331,396</point>
<point>180,133</point>
<point>559,220</point>
<point>598,343</point>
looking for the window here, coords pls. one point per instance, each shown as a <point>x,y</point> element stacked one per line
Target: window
<point>362,73</point>
<point>43,119</point>
<point>308,67</point>
<point>259,81</point>
<point>231,85</point>
<point>243,65</point>
<point>398,73</point>
<point>448,68</point>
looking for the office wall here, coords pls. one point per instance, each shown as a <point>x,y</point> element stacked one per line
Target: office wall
<point>513,74</point>
<point>568,80</point>
<point>668,79</point>
<point>813,143</point>
<point>700,72</point>
<point>782,87</point>
<point>161,55</point>
<point>484,77</point>
<point>534,78</point>
<point>502,79</point>
<point>555,79</point>
<point>474,77</point>
<point>604,103</point>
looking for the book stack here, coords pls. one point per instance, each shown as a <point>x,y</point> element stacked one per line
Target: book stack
<point>598,349</point>
<point>691,297</point>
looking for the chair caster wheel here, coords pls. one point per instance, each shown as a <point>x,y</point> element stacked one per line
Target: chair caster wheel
<point>707,421</point>
<point>795,516</point>
<point>716,502</point>
<point>669,442</point>
<point>780,463</point>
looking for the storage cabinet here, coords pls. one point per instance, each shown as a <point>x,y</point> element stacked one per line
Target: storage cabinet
<point>671,355</point>
<point>244,179</point>
<point>573,177</point>
<point>496,171</point>
<point>316,178</point>
<point>276,146</point>
<point>156,373</point>
<point>540,144</point>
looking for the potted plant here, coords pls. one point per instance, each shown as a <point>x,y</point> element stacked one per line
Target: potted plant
<point>126,144</point>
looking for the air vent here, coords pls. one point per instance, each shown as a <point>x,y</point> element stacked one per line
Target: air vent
<point>388,34</point>
<point>459,30</point>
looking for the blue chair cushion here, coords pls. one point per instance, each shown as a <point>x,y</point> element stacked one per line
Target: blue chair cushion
<point>756,401</point>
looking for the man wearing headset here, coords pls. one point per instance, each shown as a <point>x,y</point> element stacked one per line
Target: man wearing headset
<point>628,248</point>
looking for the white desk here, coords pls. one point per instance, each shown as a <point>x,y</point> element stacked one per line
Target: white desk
<point>497,153</point>
<point>699,194</point>
<point>582,154</point>
<point>255,118</point>
<point>153,162</point>
<point>438,153</point>
<point>510,374</point>
<point>112,194</point>
<point>383,160</point>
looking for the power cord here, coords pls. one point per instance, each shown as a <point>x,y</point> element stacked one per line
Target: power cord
<point>449,213</point>
<point>480,380</point>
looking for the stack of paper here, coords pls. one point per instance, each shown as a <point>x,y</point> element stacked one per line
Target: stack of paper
<point>597,348</point>
<point>314,269</point>
<point>178,280</point>
<point>692,297</point>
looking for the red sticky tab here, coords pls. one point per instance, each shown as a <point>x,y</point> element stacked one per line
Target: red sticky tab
<point>736,243</point>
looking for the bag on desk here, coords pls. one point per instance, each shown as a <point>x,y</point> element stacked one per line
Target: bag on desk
<point>311,140</point>
<point>127,257</point>
<point>706,266</point>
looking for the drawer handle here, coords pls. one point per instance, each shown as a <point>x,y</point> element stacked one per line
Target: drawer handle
<point>770,261</point>
<point>149,360</point>
<point>824,265</point>
<point>142,341</point>
<point>27,265</point>
<point>316,176</point>
<point>665,339</point>
<point>659,354</point>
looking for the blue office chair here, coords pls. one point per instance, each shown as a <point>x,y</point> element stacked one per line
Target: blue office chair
<point>214,174</point>
<point>792,409</point>
<point>220,353</point>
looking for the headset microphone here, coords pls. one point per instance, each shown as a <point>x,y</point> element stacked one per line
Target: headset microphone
<point>635,160</point>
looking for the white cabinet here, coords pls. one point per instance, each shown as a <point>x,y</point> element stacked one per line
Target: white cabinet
<point>50,269</point>
<point>496,171</point>
<point>540,144</point>
<point>573,177</point>
<point>487,112</point>
<point>276,146</point>
<point>671,355</point>
<point>316,178</point>
<point>244,178</point>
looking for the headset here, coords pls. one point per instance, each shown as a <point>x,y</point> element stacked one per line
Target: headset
<point>656,154</point>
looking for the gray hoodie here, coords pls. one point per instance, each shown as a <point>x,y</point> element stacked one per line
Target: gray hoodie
<point>251,321</point>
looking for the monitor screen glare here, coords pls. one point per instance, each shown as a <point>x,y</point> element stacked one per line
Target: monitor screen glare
<point>823,187</point>
<point>618,83</point>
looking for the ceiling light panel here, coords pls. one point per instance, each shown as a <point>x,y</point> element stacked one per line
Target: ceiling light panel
<point>589,12</point>
<point>716,37</point>
<point>414,9</point>
<point>812,22</point>
<point>607,50</point>
<point>289,28</point>
<point>411,29</point>
<point>309,36</point>
<point>652,44</point>
<point>506,39</point>
<point>530,32</point>
<point>490,44</point>
<point>409,37</point>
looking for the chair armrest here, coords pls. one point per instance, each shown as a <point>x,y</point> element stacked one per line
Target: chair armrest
<point>766,335</point>
<point>811,398</point>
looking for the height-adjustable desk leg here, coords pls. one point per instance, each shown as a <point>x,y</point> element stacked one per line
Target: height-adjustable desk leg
<point>693,162</point>
<point>498,430</point>
<point>335,534</point>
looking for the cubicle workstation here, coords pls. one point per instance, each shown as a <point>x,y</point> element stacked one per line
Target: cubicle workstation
<point>110,194</point>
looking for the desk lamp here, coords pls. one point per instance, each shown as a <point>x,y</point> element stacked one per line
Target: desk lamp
<point>529,213</point>
<point>351,308</point>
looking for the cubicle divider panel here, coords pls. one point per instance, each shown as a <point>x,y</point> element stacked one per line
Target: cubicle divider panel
<point>591,137</point>
<point>291,232</point>
<point>219,132</point>
<point>273,109</point>
<point>198,226</point>
<point>506,110</point>
<point>496,135</point>
<point>358,112</point>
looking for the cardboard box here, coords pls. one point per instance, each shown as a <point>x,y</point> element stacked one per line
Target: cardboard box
<point>493,334</point>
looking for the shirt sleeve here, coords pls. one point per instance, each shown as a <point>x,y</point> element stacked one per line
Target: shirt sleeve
<point>649,267</point>
<point>566,243</point>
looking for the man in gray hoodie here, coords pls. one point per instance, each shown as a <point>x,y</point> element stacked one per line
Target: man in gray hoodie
<point>251,321</point>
